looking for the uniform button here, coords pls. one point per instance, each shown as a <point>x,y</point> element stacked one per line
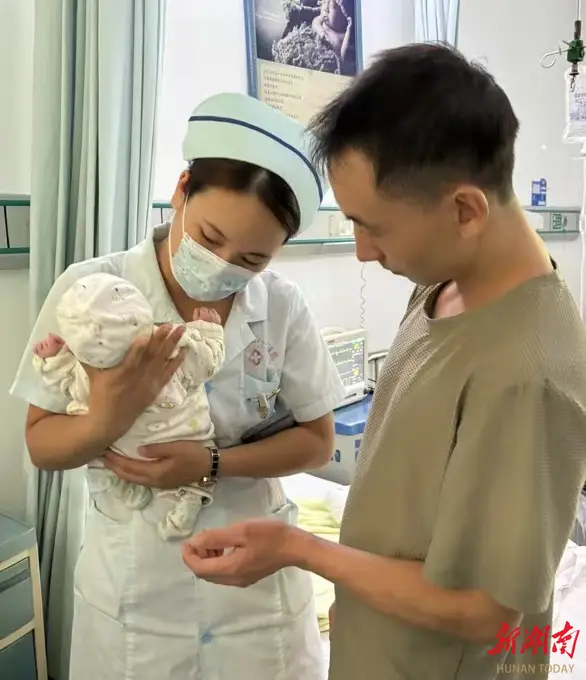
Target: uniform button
<point>206,638</point>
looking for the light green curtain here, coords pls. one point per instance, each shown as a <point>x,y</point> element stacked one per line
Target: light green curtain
<point>437,21</point>
<point>97,79</point>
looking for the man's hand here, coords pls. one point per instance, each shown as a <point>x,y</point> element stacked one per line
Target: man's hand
<point>172,465</point>
<point>244,553</point>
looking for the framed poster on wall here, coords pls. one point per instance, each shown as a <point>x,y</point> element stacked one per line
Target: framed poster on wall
<point>301,53</point>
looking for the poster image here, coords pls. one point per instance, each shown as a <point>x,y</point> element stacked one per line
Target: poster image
<point>302,53</point>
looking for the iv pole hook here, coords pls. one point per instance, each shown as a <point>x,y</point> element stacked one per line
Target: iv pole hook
<point>549,58</point>
<point>576,47</point>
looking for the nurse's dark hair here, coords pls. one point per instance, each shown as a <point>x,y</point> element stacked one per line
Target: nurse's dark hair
<point>427,119</point>
<point>271,190</point>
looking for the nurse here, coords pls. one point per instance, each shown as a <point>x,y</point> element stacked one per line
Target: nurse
<point>139,613</point>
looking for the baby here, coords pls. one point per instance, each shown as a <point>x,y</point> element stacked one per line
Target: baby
<point>99,318</point>
<point>334,25</point>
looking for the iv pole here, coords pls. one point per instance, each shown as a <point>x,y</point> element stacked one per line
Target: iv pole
<point>574,50</point>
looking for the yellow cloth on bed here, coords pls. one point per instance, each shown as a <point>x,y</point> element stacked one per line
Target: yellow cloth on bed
<point>316,517</point>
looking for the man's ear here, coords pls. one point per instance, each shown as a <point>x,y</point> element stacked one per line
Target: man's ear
<point>472,210</point>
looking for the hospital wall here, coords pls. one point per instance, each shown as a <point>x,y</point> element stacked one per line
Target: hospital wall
<point>16,56</point>
<point>333,281</point>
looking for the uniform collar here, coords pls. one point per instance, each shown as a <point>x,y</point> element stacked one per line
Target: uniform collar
<point>254,300</point>
<point>250,306</point>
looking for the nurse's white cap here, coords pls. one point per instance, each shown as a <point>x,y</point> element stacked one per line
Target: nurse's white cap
<point>239,127</point>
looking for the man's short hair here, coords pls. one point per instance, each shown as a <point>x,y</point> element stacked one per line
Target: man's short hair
<point>426,118</point>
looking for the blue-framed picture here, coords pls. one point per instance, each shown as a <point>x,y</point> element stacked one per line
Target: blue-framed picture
<point>301,53</point>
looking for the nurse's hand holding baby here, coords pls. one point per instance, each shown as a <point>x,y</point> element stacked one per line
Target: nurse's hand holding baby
<point>120,394</point>
<point>171,465</point>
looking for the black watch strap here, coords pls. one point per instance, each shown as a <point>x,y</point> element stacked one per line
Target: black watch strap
<point>212,478</point>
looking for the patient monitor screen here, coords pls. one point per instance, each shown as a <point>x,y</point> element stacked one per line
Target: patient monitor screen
<point>348,356</point>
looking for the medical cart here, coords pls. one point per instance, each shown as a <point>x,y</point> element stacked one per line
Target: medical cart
<point>350,422</point>
<point>22,638</point>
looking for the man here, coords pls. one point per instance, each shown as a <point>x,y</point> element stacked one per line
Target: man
<point>475,451</point>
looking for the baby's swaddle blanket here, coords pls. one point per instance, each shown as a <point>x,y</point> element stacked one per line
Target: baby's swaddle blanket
<point>99,318</point>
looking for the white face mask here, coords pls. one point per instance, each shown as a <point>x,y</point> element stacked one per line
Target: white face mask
<point>202,275</point>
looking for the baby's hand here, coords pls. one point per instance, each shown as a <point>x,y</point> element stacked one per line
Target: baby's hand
<point>206,314</point>
<point>49,347</point>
